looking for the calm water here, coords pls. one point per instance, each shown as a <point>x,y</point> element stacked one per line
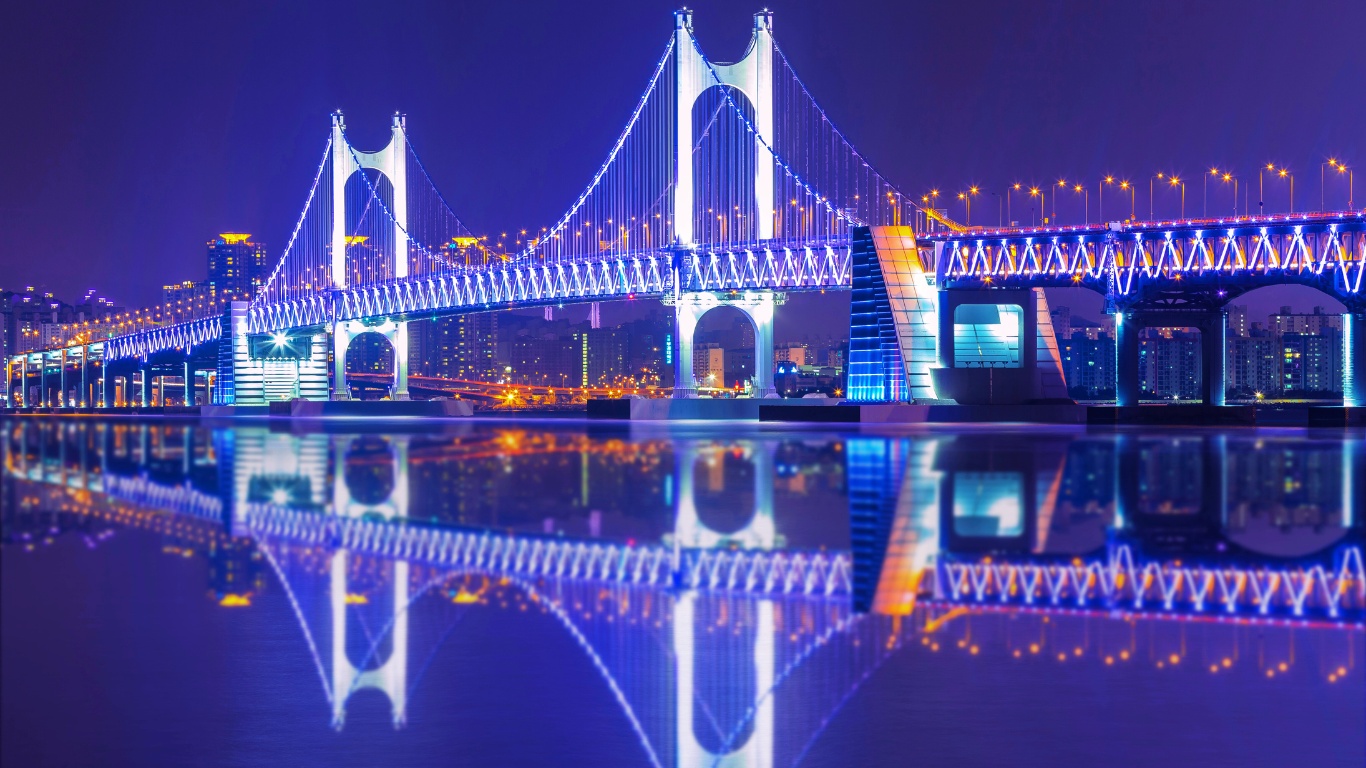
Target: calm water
<point>518,593</point>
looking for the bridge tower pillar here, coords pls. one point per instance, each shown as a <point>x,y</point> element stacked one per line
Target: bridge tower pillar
<point>1354,360</point>
<point>757,306</point>
<point>392,162</point>
<point>752,76</point>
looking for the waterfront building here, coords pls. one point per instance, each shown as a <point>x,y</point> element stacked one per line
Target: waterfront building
<point>238,267</point>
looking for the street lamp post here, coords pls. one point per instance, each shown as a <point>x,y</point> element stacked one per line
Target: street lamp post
<point>1013,188</point>
<point>1226,177</point>
<point>1086,204</point>
<point>1285,173</point>
<point>967,198</point>
<point>1261,190</point>
<point>1133,208</point>
<point>1178,182</point>
<point>1062,184</point>
<point>1034,192</point>
<point>1150,193</point>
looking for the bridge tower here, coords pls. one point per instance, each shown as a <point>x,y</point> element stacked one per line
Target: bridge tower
<point>392,162</point>
<point>689,630</point>
<point>752,76</point>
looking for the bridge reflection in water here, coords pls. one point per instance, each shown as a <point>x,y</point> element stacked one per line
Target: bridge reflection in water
<point>728,600</point>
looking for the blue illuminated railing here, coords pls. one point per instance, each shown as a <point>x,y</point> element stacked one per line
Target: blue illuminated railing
<point>1121,583</point>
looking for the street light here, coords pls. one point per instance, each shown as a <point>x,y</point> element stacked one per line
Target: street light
<point>1204,195</point>
<point>1261,194</point>
<point>1133,209</point>
<point>1062,184</point>
<point>1175,182</point>
<point>1086,205</point>
<point>1226,177</point>
<point>1013,188</point>
<point>1285,173</point>
<point>1351,186</point>
<point>1100,189</point>
<point>967,198</point>
<point>1340,168</point>
<point>1034,192</point>
<point>1160,175</point>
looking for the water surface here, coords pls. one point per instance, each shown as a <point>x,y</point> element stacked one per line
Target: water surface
<point>532,592</point>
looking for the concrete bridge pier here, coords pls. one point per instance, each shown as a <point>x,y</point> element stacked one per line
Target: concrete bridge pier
<point>996,346</point>
<point>344,332</point>
<point>1213,327</point>
<point>1354,360</point>
<point>757,306</point>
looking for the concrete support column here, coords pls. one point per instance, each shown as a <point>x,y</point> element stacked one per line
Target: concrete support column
<point>1213,350</point>
<point>64,399</point>
<point>400,343</point>
<point>106,383</point>
<point>1354,360</point>
<point>944,344</point>
<point>1126,359</point>
<point>341,340</point>
<point>189,382</point>
<point>762,317</point>
<point>146,369</point>
<point>685,325</point>
<point>85,383</point>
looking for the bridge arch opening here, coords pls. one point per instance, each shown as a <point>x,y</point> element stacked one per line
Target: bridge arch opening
<point>371,247</point>
<point>725,208</point>
<point>1286,342</point>
<point>368,354</point>
<point>724,350</point>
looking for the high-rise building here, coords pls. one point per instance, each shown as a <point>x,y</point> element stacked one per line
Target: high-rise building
<point>1312,362</point>
<point>1062,322</point>
<point>1254,365</point>
<point>1237,321</point>
<point>1170,361</point>
<point>1314,322</point>
<point>238,267</point>
<point>1088,364</point>
<point>463,347</point>
<point>798,354</point>
<point>709,365</point>
<point>187,292</point>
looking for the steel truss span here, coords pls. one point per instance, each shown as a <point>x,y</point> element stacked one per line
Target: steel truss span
<point>1211,261</point>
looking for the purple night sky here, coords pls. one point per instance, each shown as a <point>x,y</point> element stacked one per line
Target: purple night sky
<point>137,131</point>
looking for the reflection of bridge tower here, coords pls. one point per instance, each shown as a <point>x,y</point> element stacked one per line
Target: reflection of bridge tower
<point>718,651</point>
<point>392,162</point>
<point>349,674</point>
<point>691,532</point>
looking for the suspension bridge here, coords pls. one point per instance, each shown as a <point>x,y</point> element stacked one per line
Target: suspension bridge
<point>728,186</point>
